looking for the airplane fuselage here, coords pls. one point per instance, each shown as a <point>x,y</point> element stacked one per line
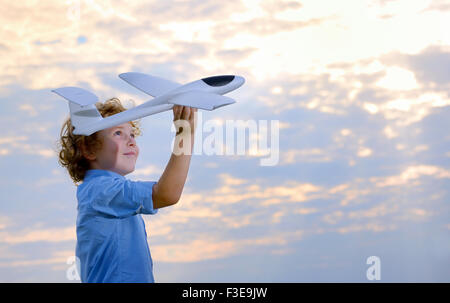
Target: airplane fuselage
<point>217,85</point>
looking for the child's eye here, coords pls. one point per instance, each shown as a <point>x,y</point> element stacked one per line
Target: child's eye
<point>118,132</point>
<point>133,136</point>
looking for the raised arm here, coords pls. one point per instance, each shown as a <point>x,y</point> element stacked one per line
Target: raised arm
<point>170,186</point>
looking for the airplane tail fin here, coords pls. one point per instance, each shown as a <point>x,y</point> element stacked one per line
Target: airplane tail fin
<point>81,105</point>
<point>83,115</point>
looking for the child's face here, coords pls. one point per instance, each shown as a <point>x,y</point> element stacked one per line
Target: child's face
<point>119,150</point>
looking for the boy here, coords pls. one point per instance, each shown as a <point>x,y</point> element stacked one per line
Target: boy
<point>111,237</point>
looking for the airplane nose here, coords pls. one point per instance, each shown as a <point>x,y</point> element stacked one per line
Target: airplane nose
<point>239,81</point>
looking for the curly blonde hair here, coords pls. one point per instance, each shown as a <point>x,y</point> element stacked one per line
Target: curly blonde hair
<point>70,145</point>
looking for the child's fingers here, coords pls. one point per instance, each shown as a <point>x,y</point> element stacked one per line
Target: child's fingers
<point>192,115</point>
<point>183,112</point>
<point>176,112</point>
<point>186,113</point>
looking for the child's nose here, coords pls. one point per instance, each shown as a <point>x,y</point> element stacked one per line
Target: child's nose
<point>131,141</point>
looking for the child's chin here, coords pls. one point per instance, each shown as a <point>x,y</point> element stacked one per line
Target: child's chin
<point>129,171</point>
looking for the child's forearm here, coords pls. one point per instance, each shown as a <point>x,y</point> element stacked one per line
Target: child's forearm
<point>170,186</point>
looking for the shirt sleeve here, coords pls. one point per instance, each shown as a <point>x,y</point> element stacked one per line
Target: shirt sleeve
<point>122,197</point>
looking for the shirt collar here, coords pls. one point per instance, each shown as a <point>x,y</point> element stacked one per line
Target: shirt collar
<point>91,173</point>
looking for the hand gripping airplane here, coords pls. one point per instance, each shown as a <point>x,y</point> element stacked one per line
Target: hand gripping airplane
<point>205,94</point>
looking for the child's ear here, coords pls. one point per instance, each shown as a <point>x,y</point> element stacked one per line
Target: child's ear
<point>87,154</point>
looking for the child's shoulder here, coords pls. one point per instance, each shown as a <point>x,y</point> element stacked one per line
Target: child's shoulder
<point>98,175</point>
<point>94,182</point>
<point>100,179</point>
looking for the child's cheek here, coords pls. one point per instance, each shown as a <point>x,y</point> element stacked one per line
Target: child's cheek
<point>114,148</point>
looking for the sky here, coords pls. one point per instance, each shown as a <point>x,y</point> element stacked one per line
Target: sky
<point>357,92</point>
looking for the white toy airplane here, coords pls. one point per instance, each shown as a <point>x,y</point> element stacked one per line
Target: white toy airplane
<point>204,94</point>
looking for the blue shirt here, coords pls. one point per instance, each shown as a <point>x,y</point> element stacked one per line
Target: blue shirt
<point>111,238</point>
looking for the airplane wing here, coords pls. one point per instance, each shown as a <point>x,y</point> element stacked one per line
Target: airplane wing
<point>151,85</point>
<point>201,100</point>
<point>77,95</point>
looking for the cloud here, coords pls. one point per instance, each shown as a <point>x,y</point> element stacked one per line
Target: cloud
<point>361,89</point>
<point>58,258</point>
<point>411,175</point>
<point>154,40</point>
<point>193,251</point>
<point>4,222</point>
<point>431,66</point>
<point>377,211</point>
<point>392,93</point>
<point>184,10</point>
<point>12,146</point>
<point>234,54</point>
<point>57,176</point>
<point>363,204</point>
<point>39,235</point>
<point>305,155</point>
<point>147,171</point>
<point>374,227</point>
<point>438,5</point>
<point>268,25</point>
<point>275,7</point>
<point>207,248</point>
<point>233,190</point>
